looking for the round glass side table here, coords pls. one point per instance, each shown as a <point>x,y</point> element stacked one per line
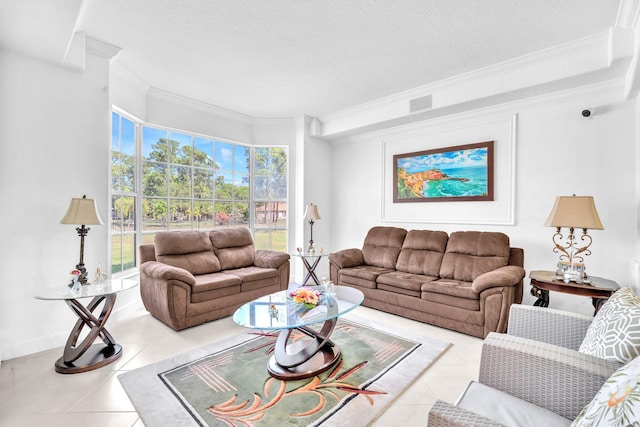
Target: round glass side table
<point>84,355</point>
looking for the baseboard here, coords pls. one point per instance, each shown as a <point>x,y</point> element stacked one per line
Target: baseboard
<point>43,343</point>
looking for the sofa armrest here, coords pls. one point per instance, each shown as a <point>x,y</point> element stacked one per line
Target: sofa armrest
<point>347,258</point>
<point>161,271</point>
<point>509,275</point>
<point>270,259</point>
<point>556,378</point>
<point>443,414</point>
<point>558,327</point>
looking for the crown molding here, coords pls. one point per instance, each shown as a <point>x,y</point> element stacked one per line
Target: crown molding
<point>184,101</point>
<point>101,48</point>
<point>130,77</point>
<point>274,121</point>
<point>595,57</point>
<point>628,14</point>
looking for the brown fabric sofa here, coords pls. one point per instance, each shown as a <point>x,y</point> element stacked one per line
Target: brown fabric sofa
<point>191,277</point>
<point>465,281</point>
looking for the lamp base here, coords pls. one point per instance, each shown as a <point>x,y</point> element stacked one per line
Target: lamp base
<point>83,274</point>
<point>576,270</point>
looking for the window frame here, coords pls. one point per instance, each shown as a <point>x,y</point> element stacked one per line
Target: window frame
<point>138,194</point>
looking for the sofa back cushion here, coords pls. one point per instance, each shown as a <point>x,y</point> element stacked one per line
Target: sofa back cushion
<point>472,253</point>
<point>234,247</point>
<point>422,252</point>
<point>382,246</point>
<point>191,250</point>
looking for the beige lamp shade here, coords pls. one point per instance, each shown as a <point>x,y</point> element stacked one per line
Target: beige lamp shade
<point>576,212</point>
<point>312,213</point>
<point>82,212</point>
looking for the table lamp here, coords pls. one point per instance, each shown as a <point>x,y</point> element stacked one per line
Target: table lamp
<point>82,212</point>
<point>573,212</point>
<point>311,215</point>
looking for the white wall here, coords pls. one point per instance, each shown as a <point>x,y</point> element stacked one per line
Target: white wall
<point>54,139</point>
<point>54,133</point>
<point>54,128</point>
<point>557,153</point>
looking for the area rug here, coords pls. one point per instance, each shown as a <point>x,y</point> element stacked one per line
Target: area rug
<point>226,383</point>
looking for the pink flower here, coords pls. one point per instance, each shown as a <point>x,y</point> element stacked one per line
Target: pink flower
<point>305,296</point>
<point>75,273</point>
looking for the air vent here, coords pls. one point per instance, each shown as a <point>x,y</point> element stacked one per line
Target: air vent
<point>419,104</point>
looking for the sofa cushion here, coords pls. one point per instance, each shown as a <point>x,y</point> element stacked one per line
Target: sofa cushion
<point>472,253</point>
<point>382,246</point>
<point>233,247</point>
<point>364,276</point>
<point>451,301</point>
<point>455,288</point>
<point>422,252</point>
<point>189,250</point>
<point>404,283</point>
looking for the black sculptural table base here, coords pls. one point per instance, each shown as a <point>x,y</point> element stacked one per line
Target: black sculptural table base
<point>85,355</point>
<point>305,358</point>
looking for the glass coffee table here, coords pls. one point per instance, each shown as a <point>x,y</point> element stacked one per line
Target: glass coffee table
<point>313,354</point>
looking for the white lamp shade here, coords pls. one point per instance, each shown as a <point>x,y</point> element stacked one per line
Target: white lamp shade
<point>576,212</point>
<point>312,213</point>
<point>82,212</point>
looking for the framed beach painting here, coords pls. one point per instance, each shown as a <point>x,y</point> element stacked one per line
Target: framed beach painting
<point>458,173</point>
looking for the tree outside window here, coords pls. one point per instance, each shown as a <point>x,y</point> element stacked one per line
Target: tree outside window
<point>191,182</point>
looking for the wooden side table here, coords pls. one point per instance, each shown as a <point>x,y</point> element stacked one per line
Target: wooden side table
<point>597,288</point>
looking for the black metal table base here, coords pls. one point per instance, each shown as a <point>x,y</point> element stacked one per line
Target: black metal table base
<point>85,356</point>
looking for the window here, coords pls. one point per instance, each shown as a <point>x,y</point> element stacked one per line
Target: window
<point>192,182</point>
<point>270,196</point>
<point>123,194</point>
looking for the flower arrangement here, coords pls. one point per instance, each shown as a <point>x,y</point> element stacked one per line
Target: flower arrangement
<point>75,275</point>
<point>305,296</point>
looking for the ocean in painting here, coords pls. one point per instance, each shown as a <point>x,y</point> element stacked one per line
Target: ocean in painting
<point>475,186</point>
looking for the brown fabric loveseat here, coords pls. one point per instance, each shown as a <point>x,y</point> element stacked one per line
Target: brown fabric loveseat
<point>191,277</point>
<point>466,281</point>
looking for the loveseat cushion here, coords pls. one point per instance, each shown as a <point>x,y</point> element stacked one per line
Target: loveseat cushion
<point>213,286</point>
<point>382,246</point>
<point>233,247</point>
<point>189,250</point>
<point>255,277</point>
<point>422,252</point>
<point>472,253</point>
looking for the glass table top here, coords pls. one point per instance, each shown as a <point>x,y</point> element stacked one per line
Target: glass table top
<point>278,311</point>
<point>309,254</point>
<point>87,291</point>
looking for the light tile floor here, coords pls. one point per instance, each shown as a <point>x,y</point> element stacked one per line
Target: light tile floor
<point>33,394</point>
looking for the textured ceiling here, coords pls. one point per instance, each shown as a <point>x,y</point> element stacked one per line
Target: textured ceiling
<point>283,58</point>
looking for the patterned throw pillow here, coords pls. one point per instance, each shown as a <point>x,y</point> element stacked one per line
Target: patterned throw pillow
<point>618,401</point>
<point>614,333</point>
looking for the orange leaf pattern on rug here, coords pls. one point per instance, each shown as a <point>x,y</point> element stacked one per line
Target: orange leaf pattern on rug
<point>232,387</point>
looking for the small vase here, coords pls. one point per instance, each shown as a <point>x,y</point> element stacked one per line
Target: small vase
<point>76,285</point>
